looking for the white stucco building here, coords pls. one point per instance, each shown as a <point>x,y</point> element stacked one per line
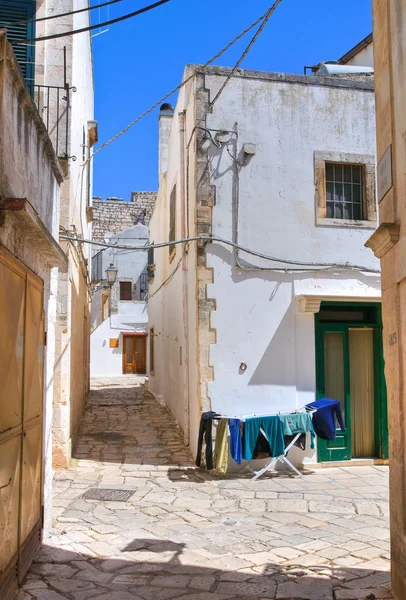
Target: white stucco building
<point>284,166</point>
<point>118,342</point>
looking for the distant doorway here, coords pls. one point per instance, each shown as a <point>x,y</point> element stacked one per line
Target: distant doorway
<point>135,353</point>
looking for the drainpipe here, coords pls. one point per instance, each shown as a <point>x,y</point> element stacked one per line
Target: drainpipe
<point>185,306</point>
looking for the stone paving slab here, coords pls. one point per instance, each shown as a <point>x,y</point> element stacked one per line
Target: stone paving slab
<point>192,535</point>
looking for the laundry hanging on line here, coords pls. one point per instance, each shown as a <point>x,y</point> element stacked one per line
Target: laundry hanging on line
<point>246,435</point>
<point>326,417</point>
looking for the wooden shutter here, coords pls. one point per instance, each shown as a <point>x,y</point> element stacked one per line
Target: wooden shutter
<point>126,290</point>
<point>11,13</point>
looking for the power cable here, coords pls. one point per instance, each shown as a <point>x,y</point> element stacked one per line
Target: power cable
<point>215,238</point>
<point>178,87</point>
<point>66,14</point>
<point>244,54</point>
<point>91,27</point>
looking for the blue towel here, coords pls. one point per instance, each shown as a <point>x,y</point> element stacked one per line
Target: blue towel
<point>324,420</point>
<point>235,440</point>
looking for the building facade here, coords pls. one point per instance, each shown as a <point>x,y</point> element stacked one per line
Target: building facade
<point>118,341</point>
<point>30,256</point>
<point>64,84</point>
<point>388,244</point>
<point>113,215</point>
<point>283,167</point>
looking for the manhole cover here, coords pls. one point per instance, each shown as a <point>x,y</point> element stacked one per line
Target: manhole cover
<point>108,495</point>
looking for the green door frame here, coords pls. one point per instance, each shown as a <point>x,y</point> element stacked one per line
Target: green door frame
<point>340,449</point>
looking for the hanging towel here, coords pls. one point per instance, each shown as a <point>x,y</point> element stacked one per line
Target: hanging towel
<point>298,423</point>
<point>324,420</point>
<point>205,432</point>
<point>235,440</point>
<point>221,447</point>
<point>273,429</point>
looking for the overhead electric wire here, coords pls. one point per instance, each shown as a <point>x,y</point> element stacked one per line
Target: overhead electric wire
<point>215,238</point>
<point>244,54</point>
<point>91,27</point>
<point>182,84</point>
<point>66,14</point>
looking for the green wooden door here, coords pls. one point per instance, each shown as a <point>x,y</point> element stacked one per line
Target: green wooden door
<point>334,383</point>
<point>349,368</point>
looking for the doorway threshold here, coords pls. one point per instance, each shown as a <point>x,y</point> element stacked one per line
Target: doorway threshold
<point>354,462</point>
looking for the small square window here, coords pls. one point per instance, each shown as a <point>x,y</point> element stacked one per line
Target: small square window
<point>344,191</point>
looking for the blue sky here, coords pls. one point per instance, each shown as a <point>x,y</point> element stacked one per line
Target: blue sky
<point>137,61</point>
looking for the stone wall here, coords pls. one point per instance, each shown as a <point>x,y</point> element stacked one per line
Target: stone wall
<point>116,215</point>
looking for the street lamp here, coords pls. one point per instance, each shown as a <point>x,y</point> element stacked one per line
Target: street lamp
<point>111,275</point>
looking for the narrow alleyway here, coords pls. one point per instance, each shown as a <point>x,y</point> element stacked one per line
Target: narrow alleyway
<point>172,531</point>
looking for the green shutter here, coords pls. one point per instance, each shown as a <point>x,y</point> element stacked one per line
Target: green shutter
<point>12,11</point>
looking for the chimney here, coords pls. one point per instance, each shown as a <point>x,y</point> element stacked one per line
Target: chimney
<point>165,123</point>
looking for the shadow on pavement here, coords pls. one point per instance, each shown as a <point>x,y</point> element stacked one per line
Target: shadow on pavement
<point>152,569</point>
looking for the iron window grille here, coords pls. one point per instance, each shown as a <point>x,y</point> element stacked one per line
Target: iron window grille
<point>344,191</point>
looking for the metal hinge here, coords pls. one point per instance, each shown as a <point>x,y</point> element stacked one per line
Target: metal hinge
<point>45,338</point>
<point>42,516</point>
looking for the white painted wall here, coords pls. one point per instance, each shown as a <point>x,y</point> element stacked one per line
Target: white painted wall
<point>364,58</point>
<point>257,317</point>
<point>106,361</point>
<point>175,353</point>
<point>130,315</point>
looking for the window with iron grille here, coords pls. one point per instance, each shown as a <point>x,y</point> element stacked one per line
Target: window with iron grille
<point>172,221</point>
<point>344,191</point>
<point>13,14</point>
<point>126,290</point>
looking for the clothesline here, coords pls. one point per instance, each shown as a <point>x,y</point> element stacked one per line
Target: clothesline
<point>297,411</point>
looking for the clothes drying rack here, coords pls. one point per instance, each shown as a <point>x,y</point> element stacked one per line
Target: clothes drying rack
<point>273,461</point>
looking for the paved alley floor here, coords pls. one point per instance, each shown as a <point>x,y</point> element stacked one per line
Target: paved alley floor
<point>174,531</point>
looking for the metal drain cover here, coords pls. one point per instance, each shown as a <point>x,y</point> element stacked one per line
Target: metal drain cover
<point>107,495</point>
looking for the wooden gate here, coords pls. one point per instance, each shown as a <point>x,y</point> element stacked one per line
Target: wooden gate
<point>21,427</point>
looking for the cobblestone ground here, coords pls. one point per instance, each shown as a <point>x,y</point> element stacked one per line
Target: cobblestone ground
<point>187,534</point>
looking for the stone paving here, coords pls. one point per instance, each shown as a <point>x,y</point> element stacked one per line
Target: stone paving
<point>191,535</point>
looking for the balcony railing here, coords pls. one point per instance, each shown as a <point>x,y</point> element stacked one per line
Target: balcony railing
<point>53,105</point>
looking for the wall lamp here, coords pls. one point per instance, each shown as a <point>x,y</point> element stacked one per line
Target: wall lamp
<point>111,275</point>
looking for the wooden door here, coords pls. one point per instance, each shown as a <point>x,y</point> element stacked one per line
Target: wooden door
<point>12,307</point>
<point>21,376</point>
<point>128,366</point>
<point>140,354</point>
<point>135,354</point>
<point>31,475</point>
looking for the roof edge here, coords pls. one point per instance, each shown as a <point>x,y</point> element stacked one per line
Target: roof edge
<point>357,48</point>
<point>317,80</point>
